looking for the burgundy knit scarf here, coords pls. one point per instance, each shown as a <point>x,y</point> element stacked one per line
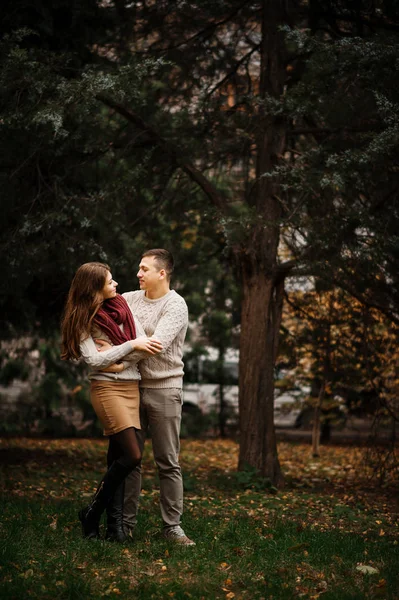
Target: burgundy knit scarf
<point>112,313</point>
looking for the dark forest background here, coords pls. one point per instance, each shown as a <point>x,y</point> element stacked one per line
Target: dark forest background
<point>258,141</point>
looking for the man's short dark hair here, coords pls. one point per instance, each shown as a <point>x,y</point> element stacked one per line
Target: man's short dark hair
<point>162,258</point>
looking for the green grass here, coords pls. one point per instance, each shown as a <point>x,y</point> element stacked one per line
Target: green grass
<point>251,544</point>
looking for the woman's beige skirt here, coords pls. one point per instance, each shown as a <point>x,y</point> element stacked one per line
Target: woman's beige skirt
<point>116,404</point>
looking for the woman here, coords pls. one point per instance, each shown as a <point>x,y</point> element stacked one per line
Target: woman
<point>94,309</point>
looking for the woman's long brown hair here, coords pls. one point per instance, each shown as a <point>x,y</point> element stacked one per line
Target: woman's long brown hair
<point>81,306</point>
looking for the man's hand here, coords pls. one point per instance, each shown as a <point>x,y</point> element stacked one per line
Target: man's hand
<point>102,345</point>
<point>149,345</point>
<point>114,368</point>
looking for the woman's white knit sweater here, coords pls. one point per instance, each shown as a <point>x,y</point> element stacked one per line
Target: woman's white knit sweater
<point>100,360</point>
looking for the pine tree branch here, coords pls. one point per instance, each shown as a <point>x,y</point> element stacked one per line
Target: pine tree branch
<point>284,269</point>
<point>288,269</point>
<point>180,161</point>
<point>369,300</point>
<point>373,22</point>
<point>328,131</point>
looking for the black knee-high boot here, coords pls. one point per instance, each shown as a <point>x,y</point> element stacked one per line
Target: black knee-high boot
<point>115,531</point>
<point>91,515</point>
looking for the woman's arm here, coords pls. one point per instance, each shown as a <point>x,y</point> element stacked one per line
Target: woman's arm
<point>136,355</point>
<point>103,359</point>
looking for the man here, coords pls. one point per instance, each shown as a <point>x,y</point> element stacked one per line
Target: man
<point>164,316</point>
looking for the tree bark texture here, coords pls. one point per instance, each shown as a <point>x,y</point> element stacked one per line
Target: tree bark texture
<point>262,290</point>
<point>317,421</point>
<point>260,326</point>
<point>317,426</point>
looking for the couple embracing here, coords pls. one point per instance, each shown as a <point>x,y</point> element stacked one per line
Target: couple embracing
<point>133,344</point>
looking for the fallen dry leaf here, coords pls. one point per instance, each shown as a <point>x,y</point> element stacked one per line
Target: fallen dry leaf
<point>298,547</point>
<point>367,570</point>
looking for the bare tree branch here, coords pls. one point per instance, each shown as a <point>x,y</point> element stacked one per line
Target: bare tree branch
<point>232,72</point>
<point>203,182</point>
<point>206,31</point>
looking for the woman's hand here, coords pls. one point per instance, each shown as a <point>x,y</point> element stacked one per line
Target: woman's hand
<point>114,368</point>
<point>102,345</point>
<point>145,344</point>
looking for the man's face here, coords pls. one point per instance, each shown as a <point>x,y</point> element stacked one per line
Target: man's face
<point>149,274</point>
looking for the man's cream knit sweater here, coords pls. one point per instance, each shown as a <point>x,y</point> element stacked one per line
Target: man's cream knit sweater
<point>166,319</point>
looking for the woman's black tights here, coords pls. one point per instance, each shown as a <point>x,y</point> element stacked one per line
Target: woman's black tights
<point>124,448</point>
<point>123,456</point>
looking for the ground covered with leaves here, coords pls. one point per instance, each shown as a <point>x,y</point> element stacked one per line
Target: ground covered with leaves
<point>331,533</point>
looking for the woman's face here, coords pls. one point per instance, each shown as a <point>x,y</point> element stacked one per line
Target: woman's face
<point>109,289</point>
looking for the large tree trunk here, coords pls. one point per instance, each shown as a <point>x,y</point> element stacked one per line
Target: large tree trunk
<point>262,291</point>
<point>321,432</point>
<point>261,315</point>
<point>222,399</point>
<point>317,421</point>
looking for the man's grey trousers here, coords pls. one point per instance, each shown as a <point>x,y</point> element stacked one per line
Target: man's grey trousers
<point>160,411</point>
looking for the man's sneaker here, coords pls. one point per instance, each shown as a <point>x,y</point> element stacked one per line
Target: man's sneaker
<point>177,535</point>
